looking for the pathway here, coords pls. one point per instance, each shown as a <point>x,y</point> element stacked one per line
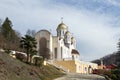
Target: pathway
<point>75,76</point>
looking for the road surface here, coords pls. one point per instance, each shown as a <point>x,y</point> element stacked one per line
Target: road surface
<point>75,76</point>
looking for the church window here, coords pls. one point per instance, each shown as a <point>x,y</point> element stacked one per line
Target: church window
<point>55,52</point>
<point>85,68</point>
<point>61,32</point>
<point>61,52</point>
<point>43,50</point>
<point>72,57</point>
<point>69,38</point>
<point>76,56</point>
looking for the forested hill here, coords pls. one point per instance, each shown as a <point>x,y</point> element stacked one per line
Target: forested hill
<point>109,59</point>
<point>13,69</point>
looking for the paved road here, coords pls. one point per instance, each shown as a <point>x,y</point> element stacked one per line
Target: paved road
<point>75,76</point>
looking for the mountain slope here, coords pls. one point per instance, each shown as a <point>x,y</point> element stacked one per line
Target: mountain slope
<point>109,59</point>
<point>13,69</point>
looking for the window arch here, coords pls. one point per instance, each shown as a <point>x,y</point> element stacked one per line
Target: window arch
<point>43,50</point>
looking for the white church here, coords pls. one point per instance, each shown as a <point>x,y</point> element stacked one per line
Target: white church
<point>61,49</point>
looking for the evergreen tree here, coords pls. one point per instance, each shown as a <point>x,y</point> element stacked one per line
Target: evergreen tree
<point>118,54</point>
<point>6,29</point>
<point>32,53</point>
<point>10,38</point>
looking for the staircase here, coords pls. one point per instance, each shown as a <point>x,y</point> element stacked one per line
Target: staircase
<point>51,62</point>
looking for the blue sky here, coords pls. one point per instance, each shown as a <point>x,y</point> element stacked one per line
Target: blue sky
<point>94,23</point>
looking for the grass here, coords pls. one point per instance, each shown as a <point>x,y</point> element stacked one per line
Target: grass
<point>13,69</point>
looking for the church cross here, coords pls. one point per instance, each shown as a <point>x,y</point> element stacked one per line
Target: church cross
<point>61,19</point>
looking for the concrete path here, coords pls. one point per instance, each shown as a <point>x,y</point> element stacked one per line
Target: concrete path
<point>75,76</point>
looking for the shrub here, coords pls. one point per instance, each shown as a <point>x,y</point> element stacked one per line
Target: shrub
<point>8,51</point>
<point>20,56</point>
<point>117,71</point>
<point>38,61</point>
<point>115,74</point>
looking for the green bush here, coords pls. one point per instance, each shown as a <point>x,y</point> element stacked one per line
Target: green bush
<point>115,74</point>
<point>38,61</point>
<point>114,77</point>
<point>117,71</point>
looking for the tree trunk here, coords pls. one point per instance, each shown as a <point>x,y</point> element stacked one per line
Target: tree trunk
<point>30,58</point>
<point>27,56</point>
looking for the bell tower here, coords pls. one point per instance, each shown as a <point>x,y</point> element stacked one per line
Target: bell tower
<point>61,29</point>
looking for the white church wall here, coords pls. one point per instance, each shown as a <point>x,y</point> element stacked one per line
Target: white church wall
<point>60,49</point>
<point>54,45</point>
<point>44,34</point>
<point>65,53</point>
<point>59,52</point>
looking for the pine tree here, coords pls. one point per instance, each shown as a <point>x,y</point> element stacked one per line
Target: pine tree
<point>6,28</point>
<point>10,36</point>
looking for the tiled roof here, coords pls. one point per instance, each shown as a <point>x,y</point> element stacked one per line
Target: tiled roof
<point>75,52</point>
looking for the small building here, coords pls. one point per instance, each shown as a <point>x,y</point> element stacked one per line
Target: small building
<point>77,66</point>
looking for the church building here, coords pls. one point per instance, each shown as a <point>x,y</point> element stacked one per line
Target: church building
<point>60,47</point>
<point>61,50</point>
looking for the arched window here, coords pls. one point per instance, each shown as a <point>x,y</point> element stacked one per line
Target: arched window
<point>43,50</point>
<point>55,52</point>
<point>61,52</point>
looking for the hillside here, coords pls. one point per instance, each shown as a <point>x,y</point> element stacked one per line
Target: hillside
<point>13,69</point>
<point>109,59</point>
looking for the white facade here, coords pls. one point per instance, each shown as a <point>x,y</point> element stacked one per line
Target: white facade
<point>60,47</point>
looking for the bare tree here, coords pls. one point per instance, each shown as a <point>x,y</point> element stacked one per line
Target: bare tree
<point>31,32</point>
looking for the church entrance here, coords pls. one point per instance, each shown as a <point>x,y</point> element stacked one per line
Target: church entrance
<point>43,50</point>
<point>89,69</point>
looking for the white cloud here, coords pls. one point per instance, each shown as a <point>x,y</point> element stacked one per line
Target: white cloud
<point>114,2</point>
<point>95,35</point>
<point>96,38</point>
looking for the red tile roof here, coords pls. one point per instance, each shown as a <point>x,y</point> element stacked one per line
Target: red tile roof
<point>75,52</point>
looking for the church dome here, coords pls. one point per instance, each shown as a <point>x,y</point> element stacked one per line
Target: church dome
<point>61,26</point>
<point>67,33</point>
<point>72,40</point>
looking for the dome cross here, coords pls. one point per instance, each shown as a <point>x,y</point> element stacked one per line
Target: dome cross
<point>61,19</point>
